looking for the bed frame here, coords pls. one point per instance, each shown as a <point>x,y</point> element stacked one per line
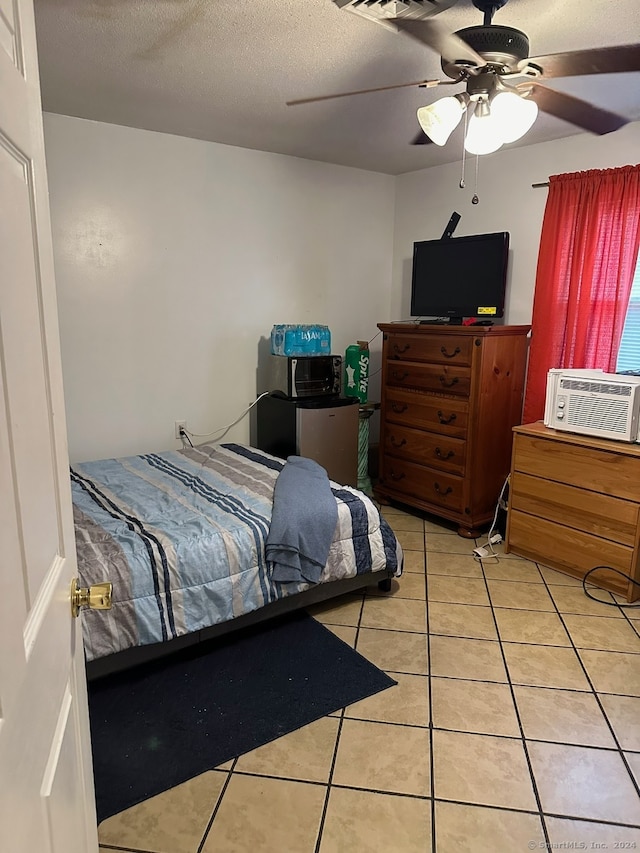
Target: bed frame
<point>321,592</point>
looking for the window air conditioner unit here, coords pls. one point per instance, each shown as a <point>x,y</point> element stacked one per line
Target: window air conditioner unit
<point>592,402</point>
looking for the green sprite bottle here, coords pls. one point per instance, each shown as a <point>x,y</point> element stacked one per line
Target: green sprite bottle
<point>356,371</point>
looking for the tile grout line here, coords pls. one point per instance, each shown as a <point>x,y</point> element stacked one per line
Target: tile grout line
<point>403,795</point>
<point>623,758</point>
<point>596,822</point>
<point>484,639</point>
<point>626,607</point>
<point>594,692</point>
<point>523,740</point>
<point>432,774</point>
<point>216,807</point>
<point>325,805</point>
<point>514,810</point>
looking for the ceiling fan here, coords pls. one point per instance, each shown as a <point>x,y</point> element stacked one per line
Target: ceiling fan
<point>504,86</point>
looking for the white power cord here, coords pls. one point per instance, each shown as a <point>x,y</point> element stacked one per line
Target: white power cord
<point>224,430</point>
<point>486,550</point>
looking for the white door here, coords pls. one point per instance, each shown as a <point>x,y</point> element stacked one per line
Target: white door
<point>46,786</point>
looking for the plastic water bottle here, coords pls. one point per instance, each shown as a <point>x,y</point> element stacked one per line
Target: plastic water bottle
<point>300,340</point>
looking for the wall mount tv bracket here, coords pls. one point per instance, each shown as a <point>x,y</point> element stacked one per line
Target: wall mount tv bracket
<point>451,226</point>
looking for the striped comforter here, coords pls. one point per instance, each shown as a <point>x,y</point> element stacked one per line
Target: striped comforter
<point>181,536</point>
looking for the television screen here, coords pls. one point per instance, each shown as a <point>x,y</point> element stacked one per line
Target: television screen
<point>460,277</point>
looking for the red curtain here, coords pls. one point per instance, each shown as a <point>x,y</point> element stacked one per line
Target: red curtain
<point>586,262</point>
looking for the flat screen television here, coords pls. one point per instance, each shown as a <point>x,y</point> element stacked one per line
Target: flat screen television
<point>460,277</point>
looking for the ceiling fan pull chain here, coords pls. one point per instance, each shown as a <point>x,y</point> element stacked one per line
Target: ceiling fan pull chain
<point>475,199</point>
<point>464,152</point>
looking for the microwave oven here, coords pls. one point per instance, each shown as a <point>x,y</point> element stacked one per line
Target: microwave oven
<point>304,376</point>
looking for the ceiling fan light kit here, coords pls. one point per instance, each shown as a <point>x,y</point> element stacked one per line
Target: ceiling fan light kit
<point>483,135</point>
<point>514,114</point>
<point>440,119</point>
<point>503,118</point>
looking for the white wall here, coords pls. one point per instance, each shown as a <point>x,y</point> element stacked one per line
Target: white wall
<point>426,199</point>
<point>174,257</point>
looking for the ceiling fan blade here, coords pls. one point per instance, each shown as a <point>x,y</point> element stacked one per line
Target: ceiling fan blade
<point>574,110</point>
<point>427,84</point>
<point>599,60</point>
<point>421,138</point>
<point>434,34</point>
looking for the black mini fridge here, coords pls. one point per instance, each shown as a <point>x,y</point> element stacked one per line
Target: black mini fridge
<point>324,429</point>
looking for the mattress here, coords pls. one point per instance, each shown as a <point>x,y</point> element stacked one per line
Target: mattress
<point>181,536</point>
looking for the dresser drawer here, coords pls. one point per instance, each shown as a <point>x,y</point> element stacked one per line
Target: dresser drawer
<point>443,415</point>
<point>611,473</point>
<point>440,378</point>
<point>602,515</point>
<point>431,486</point>
<point>569,550</point>
<point>446,349</point>
<point>437,451</point>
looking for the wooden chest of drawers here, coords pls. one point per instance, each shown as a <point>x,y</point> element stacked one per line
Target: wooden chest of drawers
<point>574,503</point>
<point>450,398</point>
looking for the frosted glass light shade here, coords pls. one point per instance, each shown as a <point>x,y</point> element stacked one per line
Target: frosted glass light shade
<point>440,119</point>
<point>483,135</point>
<point>514,115</point>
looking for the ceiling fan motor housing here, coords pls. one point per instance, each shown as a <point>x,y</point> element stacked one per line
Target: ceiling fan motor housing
<point>500,46</point>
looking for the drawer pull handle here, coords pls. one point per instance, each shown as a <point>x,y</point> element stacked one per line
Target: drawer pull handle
<point>444,456</point>
<point>448,383</point>
<point>400,376</point>
<point>395,476</point>
<point>448,420</point>
<point>444,493</point>
<point>399,408</point>
<point>449,354</point>
<point>397,443</point>
<point>398,350</point>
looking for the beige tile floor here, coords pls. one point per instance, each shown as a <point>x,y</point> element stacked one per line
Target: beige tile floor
<point>514,726</point>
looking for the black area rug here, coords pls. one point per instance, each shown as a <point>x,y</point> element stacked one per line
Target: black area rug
<point>164,722</point>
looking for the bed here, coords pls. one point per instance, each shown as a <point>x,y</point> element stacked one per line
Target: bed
<point>181,536</point>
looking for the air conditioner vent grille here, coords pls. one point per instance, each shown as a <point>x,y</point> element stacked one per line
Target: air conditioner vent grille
<point>384,11</point>
<point>598,413</point>
<point>590,386</point>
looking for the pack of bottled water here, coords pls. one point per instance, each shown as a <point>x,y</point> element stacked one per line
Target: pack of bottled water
<point>300,340</point>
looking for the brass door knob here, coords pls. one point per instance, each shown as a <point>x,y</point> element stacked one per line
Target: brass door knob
<point>97,597</point>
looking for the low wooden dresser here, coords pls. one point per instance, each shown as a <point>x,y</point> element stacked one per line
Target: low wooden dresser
<point>450,398</point>
<point>574,503</point>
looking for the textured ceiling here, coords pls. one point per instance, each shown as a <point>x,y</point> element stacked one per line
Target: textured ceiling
<point>221,70</point>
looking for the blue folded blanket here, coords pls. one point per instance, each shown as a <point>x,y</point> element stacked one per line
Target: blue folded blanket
<point>303,521</point>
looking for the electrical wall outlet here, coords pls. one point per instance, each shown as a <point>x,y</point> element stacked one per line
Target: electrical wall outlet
<point>178,425</point>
